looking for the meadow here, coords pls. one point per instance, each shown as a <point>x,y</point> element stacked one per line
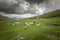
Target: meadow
<point>42,29</point>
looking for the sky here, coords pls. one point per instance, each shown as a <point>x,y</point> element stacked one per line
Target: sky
<point>27,8</point>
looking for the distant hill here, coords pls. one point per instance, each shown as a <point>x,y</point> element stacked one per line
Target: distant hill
<point>55,13</point>
<point>52,14</point>
<point>3,18</point>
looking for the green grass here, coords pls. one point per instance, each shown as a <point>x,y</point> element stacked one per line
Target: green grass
<point>43,32</point>
<point>55,13</point>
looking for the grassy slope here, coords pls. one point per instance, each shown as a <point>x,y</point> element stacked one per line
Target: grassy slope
<point>45,31</point>
<point>3,18</point>
<point>51,14</point>
<point>33,32</point>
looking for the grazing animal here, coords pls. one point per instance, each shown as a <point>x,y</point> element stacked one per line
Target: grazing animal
<point>26,25</point>
<point>17,22</point>
<point>13,24</point>
<point>38,24</point>
<point>31,23</point>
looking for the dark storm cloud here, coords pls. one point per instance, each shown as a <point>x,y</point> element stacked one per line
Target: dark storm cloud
<point>7,9</point>
<point>8,6</point>
<point>19,6</point>
<point>24,6</point>
<point>13,6</point>
<point>35,1</point>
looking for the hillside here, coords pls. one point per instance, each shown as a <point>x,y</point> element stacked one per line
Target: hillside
<point>3,18</point>
<point>55,13</point>
<point>36,28</point>
<point>42,29</point>
<point>52,14</point>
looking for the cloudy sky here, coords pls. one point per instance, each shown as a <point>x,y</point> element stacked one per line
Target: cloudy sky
<point>27,8</point>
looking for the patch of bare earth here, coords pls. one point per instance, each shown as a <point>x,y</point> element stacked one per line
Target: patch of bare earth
<point>52,36</point>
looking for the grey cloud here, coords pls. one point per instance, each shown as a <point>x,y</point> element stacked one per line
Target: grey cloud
<point>35,1</point>
<point>8,5</point>
<point>25,6</point>
<point>18,6</point>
